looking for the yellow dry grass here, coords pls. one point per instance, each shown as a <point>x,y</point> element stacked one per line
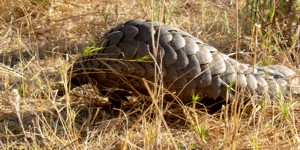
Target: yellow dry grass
<point>34,116</point>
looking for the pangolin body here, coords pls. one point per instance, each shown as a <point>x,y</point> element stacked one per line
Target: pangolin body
<point>144,49</point>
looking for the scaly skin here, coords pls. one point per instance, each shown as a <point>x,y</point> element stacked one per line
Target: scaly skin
<point>186,63</point>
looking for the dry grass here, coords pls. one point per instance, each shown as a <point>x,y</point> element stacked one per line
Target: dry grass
<point>34,116</point>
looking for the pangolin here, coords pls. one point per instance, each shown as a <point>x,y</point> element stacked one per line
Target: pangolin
<point>143,51</point>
